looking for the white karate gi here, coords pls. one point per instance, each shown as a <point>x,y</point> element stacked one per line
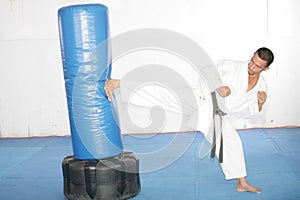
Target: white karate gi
<point>239,104</point>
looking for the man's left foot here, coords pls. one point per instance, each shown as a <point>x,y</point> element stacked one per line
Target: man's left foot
<point>248,188</point>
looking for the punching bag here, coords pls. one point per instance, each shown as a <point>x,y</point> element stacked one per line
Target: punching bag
<point>83,31</point>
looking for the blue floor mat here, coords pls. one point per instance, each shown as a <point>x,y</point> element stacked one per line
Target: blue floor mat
<point>31,167</point>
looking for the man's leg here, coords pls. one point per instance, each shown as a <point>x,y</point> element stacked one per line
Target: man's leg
<point>233,165</point>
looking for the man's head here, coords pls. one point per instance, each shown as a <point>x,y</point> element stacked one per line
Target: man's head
<point>266,55</point>
<point>260,61</point>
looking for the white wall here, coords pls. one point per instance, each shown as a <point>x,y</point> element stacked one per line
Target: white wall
<point>32,96</point>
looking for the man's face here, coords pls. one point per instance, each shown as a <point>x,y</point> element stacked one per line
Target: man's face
<point>256,65</point>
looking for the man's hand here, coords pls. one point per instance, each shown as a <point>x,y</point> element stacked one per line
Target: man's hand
<point>223,91</point>
<point>261,99</point>
<point>110,86</point>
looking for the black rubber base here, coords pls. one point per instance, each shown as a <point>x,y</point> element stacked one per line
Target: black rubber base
<point>113,178</point>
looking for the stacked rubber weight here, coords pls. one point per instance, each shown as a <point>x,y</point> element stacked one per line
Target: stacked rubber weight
<point>107,179</point>
<point>96,137</point>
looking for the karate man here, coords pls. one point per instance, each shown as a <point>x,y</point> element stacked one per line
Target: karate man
<point>245,93</point>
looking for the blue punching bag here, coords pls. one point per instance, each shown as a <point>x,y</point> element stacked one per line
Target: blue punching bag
<point>86,60</point>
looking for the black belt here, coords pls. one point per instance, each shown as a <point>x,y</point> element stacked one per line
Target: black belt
<point>216,112</point>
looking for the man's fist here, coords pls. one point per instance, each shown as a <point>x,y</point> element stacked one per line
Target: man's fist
<point>261,99</point>
<point>224,91</point>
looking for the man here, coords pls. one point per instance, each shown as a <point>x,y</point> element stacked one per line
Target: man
<point>245,93</point>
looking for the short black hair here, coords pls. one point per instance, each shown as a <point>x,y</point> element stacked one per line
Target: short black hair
<point>265,54</point>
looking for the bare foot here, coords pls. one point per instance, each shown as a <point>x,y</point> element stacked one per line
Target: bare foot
<point>110,86</point>
<point>243,186</point>
<point>248,188</point>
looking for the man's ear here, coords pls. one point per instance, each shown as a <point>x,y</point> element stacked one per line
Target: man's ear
<point>266,68</point>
